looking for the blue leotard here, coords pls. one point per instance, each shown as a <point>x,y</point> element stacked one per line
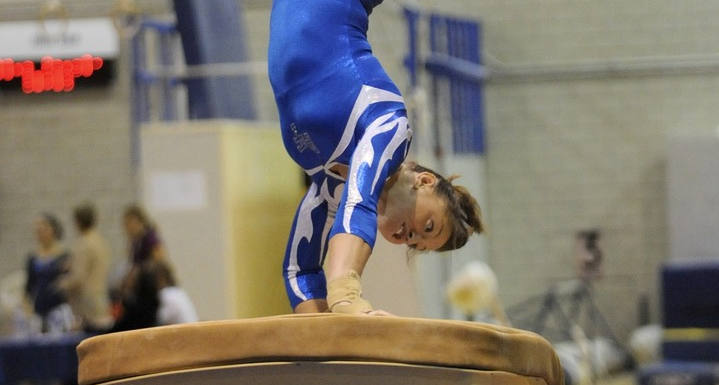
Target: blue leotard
<point>337,106</point>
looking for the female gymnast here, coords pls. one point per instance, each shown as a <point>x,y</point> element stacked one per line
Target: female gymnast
<point>345,123</point>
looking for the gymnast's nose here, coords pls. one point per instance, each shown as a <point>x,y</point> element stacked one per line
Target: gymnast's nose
<point>412,238</point>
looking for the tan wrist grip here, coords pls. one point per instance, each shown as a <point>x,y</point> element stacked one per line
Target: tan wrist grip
<point>344,295</point>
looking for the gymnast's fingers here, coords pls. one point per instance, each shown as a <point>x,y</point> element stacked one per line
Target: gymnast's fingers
<point>357,306</point>
<point>381,313</point>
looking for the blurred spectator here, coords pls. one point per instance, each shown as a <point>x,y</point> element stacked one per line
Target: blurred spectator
<point>139,295</point>
<point>141,302</point>
<point>45,266</point>
<point>85,284</point>
<point>145,243</point>
<point>156,299</point>
<point>175,305</point>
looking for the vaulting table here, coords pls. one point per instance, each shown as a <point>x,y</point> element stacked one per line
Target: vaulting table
<point>320,349</point>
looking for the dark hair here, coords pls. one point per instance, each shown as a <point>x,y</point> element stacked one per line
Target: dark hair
<point>85,216</point>
<point>138,212</point>
<point>163,272</point>
<point>465,216</point>
<point>54,223</point>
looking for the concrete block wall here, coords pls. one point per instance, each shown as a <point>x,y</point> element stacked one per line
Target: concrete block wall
<point>57,150</point>
<point>563,156</point>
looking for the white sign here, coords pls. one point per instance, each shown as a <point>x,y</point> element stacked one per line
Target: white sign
<point>177,190</point>
<point>63,39</point>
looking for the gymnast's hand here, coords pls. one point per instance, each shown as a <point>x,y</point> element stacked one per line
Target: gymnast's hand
<point>348,255</point>
<point>344,295</point>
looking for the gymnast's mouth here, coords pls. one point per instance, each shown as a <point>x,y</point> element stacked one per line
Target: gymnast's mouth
<point>401,234</point>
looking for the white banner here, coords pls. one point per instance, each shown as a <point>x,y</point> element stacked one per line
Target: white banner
<point>178,190</point>
<point>64,39</point>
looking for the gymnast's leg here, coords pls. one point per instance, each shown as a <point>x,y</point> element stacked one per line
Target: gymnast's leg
<point>302,269</point>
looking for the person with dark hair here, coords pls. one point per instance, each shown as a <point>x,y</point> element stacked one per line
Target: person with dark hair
<point>155,299</point>
<point>145,248</point>
<point>85,217</point>
<point>345,123</point>
<point>85,285</point>
<point>144,243</point>
<point>175,305</point>
<point>144,240</point>
<point>45,266</point>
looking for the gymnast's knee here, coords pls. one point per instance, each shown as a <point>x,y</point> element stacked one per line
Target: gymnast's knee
<point>315,305</point>
<point>306,286</point>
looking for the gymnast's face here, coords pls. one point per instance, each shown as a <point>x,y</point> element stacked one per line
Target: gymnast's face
<point>414,215</point>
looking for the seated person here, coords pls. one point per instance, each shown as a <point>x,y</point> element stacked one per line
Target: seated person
<point>155,299</point>
<point>175,305</point>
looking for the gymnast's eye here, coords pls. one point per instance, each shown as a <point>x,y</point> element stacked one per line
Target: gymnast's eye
<point>429,226</point>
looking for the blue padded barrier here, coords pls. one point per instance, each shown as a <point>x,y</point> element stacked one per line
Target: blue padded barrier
<point>707,351</point>
<point>690,294</point>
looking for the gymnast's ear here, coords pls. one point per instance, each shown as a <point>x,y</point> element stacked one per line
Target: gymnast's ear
<point>424,179</point>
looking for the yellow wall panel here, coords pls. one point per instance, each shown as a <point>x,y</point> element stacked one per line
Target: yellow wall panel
<point>262,189</point>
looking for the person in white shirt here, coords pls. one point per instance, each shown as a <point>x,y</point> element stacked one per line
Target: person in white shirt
<point>175,305</point>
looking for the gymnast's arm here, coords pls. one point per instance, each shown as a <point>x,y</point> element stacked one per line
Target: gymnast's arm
<point>351,253</point>
<point>378,154</point>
